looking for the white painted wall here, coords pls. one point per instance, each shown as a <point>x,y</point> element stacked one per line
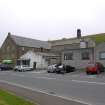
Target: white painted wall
<point>35,57</point>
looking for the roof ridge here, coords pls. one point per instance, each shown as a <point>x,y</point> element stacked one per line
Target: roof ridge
<point>94,35</point>
<point>89,36</point>
<point>26,38</point>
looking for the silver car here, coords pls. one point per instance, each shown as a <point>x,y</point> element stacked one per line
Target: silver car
<point>22,68</point>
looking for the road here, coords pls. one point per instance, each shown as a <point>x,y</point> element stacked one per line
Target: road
<point>76,86</point>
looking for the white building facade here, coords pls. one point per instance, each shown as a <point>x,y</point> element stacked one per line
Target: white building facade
<point>37,59</point>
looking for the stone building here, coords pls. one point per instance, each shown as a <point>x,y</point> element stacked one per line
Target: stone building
<point>80,51</point>
<point>15,46</point>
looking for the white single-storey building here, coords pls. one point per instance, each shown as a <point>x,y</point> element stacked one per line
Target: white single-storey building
<point>37,60</point>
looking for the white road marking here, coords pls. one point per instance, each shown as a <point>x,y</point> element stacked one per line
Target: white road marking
<point>37,90</point>
<point>20,75</point>
<point>86,76</point>
<point>98,83</point>
<point>3,73</point>
<point>38,72</point>
<point>44,78</point>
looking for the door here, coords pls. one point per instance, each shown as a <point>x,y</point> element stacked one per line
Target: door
<point>34,65</point>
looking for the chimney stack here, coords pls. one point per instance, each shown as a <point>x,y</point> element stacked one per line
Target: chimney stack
<point>78,33</point>
<point>9,33</point>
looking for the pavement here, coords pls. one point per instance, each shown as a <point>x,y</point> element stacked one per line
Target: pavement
<point>88,89</point>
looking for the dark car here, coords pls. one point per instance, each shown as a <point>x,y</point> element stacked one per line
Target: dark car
<point>95,68</point>
<point>64,69</point>
<point>5,67</point>
<point>69,68</point>
<point>60,69</point>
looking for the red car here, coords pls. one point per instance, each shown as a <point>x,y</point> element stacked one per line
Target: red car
<point>95,68</point>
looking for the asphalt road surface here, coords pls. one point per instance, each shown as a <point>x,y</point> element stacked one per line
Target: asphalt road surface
<point>75,86</point>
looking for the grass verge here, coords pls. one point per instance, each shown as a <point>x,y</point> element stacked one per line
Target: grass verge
<point>7,98</point>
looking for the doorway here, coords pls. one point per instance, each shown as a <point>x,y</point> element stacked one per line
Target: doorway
<point>34,65</point>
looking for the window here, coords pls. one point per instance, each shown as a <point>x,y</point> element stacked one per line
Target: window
<point>18,62</point>
<point>25,62</point>
<point>68,56</point>
<point>41,49</point>
<point>102,55</point>
<point>85,56</point>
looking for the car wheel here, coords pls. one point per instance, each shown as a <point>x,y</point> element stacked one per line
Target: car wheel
<point>48,71</point>
<point>16,70</point>
<point>87,73</point>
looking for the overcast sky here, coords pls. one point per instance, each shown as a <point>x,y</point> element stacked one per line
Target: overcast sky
<point>51,19</point>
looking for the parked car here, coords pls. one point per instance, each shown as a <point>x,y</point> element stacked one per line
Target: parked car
<point>64,69</point>
<point>69,68</point>
<point>95,68</point>
<point>22,68</point>
<point>60,69</point>
<point>51,68</point>
<point>5,67</point>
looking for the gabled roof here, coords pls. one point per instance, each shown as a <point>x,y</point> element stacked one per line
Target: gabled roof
<point>28,42</point>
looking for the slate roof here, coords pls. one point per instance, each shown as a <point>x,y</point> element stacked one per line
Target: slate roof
<point>28,42</point>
